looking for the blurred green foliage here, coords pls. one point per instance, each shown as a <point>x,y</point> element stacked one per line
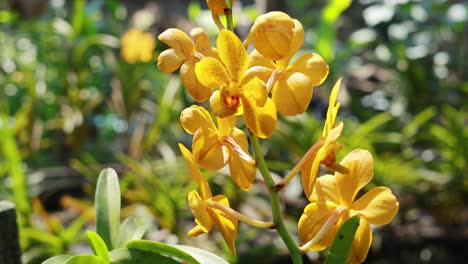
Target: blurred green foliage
<point>68,100</point>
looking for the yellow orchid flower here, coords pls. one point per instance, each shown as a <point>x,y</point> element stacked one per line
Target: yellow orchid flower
<point>137,46</point>
<point>291,85</point>
<point>239,93</point>
<point>214,147</point>
<point>205,215</point>
<point>333,197</point>
<point>184,54</point>
<point>326,152</point>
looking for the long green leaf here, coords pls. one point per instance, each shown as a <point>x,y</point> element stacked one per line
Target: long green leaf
<point>85,259</point>
<point>201,255</point>
<point>341,246</point>
<point>327,32</point>
<point>135,256</point>
<point>98,246</point>
<point>11,153</point>
<point>132,228</point>
<point>107,203</point>
<point>161,248</point>
<point>57,259</point>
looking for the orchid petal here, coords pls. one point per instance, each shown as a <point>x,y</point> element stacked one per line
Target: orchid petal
<point>325,190</point>
<point>312,219</point>
<point>361,243</point>
<point>189,79</point>
<point>170,60</point>
<point>227,224</point>
<point>199,210</point>
<point>211,73</point>
<point>332,110</point>
<point>378,206</point>
<point>361,170</point>
<point>196,173</point>
<point>233,54</point>
<point>259,118</point>
<point>177,39</point>
<point>195,117</point>
<point>292,94</point>
<point>207,149</point>
<point>226,124</point>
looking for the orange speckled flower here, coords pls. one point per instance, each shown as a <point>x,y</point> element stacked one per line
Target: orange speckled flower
<point>239,93</point>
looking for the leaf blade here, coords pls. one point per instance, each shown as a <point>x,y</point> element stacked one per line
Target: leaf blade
<point>107,203</point>
<point>341,246</point>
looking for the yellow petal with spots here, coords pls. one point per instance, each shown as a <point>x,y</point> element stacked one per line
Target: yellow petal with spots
<point>211,73</point>
<point>259,110</point>
<point>233,54</point>
<point>261,120</point>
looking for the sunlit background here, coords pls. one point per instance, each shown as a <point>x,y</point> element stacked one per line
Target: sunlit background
<point>71,104</point>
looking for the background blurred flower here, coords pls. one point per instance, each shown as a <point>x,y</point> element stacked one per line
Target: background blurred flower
<point>137,46</point>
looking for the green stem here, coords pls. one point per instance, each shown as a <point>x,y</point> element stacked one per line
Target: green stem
<point>275,202</point>
<point>228,14</point>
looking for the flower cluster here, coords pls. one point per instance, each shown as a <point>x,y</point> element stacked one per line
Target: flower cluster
<point>257,86</point>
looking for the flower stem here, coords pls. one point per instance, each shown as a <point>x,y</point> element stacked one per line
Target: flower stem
<point>228,14</point>
<point>241,217</point>
<point>310,155</point>
<point>275,202</point>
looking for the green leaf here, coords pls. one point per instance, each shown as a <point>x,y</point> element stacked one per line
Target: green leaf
<point>135,256</point>
<point>85,259</point>
<point>107,203</point>
<point>98,246</point>
<point>161,248</point>
<point>57,259</point>
<point>193,10</point>
<point>132,228</point>
<point>201,255</point>
<point>341,246</point>
<point>78,16</point>
<point>327,30</point>
<point>11,152</point>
